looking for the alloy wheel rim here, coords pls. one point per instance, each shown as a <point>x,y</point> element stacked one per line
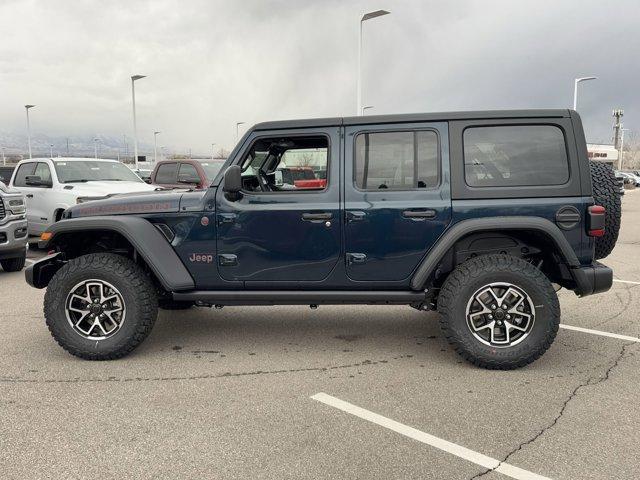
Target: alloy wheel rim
<point>95,309</point>
<point>500,314</point>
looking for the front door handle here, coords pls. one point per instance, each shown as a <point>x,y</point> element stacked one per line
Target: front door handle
<point>316,217</point>
<point>29,195</point>
<point>419,214</point>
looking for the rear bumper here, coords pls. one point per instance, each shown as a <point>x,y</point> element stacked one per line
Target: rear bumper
<point>595,278</point>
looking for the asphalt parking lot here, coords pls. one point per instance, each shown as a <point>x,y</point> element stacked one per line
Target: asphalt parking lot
<point>260,392</point>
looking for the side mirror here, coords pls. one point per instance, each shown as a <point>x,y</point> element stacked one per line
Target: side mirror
<point>233,182</point>
<point>36,181</point>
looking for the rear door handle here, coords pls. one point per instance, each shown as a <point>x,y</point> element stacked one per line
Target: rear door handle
<point>419,214</point>
<point>29,195</point>
<point>316,217</point>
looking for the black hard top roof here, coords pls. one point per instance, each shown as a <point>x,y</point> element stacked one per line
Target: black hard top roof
<point>412,117</point>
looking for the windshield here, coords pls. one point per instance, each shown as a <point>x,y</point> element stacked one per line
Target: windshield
<point>93,171</point>
<point>211,168</point>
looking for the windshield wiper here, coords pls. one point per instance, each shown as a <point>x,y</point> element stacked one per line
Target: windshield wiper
<point>82,180</point>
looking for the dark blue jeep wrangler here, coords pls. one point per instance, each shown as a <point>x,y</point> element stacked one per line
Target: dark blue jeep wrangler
<point>481,216</point>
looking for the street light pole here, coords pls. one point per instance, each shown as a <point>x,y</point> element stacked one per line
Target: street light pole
<point>622,130</point>
<point>575,89</point>
<point>237,128</point>
<point>4,160</point>
<point>51,150</point>
<point>135,127</point>
<point>27,107</point>
<point>365,108</point>
<point>365,17</point>
<point>95,148</point>
<point>155,146</point>
<point>212,150</point>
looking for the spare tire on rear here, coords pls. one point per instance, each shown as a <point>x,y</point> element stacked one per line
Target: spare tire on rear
<point>606,193</point>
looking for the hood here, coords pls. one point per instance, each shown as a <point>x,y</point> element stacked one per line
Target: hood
<point>101,189</point>
<point>8,191</point>
<point>163,201</point>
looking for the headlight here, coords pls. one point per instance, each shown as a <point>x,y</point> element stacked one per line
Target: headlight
<point>89,199</point>
<point>17,206</point>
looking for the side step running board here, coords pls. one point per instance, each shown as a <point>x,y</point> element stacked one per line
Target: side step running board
<point>300,297</point>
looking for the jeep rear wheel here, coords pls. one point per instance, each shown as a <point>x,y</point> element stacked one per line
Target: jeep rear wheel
<point>606,194</point>
<point>499,312</point>
<point>100,306</point>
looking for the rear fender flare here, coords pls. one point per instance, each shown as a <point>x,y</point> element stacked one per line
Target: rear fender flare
<point>466,227</point>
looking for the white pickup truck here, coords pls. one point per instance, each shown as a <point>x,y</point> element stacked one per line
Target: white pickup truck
<point>51,185</point>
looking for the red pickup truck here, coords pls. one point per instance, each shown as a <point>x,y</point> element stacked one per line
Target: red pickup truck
<point>302,178</point>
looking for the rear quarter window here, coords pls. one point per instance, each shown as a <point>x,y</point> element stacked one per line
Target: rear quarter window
<point>515,156</point>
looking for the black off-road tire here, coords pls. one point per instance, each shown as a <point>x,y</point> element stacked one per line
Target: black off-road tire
<point>13,264</point>
<point>474,274</point>
<point>138,293</point>
<point>606,193</point>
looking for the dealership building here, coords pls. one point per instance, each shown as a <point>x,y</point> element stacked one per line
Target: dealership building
<point>603,153</point>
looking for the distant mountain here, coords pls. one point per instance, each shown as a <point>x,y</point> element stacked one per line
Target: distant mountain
<point>75,146</point>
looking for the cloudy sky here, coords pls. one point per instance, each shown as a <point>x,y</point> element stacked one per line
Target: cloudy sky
<point>211,64</point>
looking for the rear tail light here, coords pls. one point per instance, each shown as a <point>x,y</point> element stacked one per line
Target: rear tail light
<point>596,221</point>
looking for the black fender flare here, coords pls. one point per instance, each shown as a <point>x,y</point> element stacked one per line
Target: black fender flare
<point>466,227</point>
<point>145,238</point>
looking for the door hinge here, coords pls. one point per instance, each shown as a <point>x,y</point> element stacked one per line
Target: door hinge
<point>226,218</point>
<point>227,260</point>
<point>356,258</point>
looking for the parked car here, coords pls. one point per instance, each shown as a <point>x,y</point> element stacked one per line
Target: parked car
<point>5,174</point>
<point>302,177</point>
<point>635,177</point>
<point>192,173</point>
<point>53,185</point>
<point>620,181</point>
<point>629,178</point>
<point>13,230</point>
<point>476,215</point>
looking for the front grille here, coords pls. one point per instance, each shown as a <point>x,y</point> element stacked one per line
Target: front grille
<point>3,213</point>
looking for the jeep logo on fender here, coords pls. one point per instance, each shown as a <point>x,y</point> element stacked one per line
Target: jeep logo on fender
<point>201,258</point>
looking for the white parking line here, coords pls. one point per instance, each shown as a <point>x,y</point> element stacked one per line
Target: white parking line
<point>626,281</point>
<point>439,443</point>
<point>599,332</point>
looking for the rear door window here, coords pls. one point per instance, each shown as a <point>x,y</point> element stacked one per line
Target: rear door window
<point>188,174</point>
<point>515,156</point>
<point>167,173</point>
<point>396,160</point>
<point>44,172</point>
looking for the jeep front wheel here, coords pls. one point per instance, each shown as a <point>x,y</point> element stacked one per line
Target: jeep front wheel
<point>100,306</point>
<point>499,312</point>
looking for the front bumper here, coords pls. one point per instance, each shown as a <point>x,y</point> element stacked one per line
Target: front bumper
<point>13,238</point>
<point>594,278</point>
<point>39,274</point>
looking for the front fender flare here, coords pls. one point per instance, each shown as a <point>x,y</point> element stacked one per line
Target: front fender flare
<point>466,227</point>
<point>150,244</point>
